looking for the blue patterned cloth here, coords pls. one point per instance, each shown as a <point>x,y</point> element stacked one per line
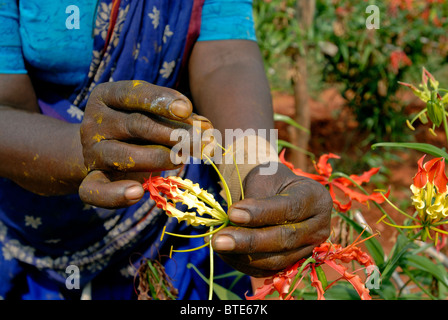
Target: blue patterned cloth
<point>41,236</point>
<point>45,49</point>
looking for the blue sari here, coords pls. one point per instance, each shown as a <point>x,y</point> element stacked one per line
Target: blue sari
<point>40,236</point>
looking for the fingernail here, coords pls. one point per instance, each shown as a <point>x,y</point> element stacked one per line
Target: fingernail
<point>224,243</point>
<point>180,108</point>
<point>239,216</point>
<point>133,193</point>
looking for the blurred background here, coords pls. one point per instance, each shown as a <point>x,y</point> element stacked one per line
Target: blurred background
<point>339,79</point>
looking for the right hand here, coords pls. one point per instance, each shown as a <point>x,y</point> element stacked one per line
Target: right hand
<point>125,135</point>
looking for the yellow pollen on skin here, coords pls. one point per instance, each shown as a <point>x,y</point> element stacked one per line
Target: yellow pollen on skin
<point>136,83</point>
<point>99,118</point>
<point>98,137</point>
<point>123,166</point>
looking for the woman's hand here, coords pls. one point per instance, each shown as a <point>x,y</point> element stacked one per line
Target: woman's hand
<point>282,218</point>
<point>126,134</point>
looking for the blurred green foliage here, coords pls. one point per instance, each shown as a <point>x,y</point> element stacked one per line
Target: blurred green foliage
<point>365,64</point>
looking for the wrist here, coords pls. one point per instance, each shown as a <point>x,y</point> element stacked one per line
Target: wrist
<point>245,154</point>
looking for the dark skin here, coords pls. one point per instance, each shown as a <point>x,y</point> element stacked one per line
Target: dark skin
<point>126,133</point>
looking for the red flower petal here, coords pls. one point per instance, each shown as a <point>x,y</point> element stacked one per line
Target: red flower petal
<point>420,177</point>
<point>263,291</point>
<point>283,160</point>
<point>365,177</point>
<point>437,175</point>
<point>338,205</point>
<point>354,279</point>
<point>323,167</point>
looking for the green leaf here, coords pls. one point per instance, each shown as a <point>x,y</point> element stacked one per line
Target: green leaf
<point>290,121</point>
<point>387,291</point>
<point>285,144</point>
<point>423,147</point>
<point>426,265</point>
<point>402,245</point>
<point>365,56</point>
<point>220,291</point>
<point>341,291</point>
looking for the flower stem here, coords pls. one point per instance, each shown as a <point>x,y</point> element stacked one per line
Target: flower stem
<point>409,274</point>
<point>299,273</point>
<point>202,235</point>
<point>224,183</point>
<point>445,127</point>
<point>210,292</point>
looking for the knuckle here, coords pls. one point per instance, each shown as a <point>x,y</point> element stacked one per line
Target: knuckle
<point>326,203</point>
<point>92,158</point>
<point>322,234</point>
<point>120,94</point>
<point>322,231</point>
<point>86,129</point>
<point>287,237</point>
<point>97,90</point>
<point>137,124</point>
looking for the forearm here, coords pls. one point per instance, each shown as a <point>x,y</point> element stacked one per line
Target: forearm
<point>232,91</point>
<point>39,153</point>
<point>230,88</point>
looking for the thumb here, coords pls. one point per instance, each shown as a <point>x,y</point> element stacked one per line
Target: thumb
<point>98,190</point>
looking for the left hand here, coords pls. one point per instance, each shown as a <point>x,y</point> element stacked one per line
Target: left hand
<point>281,220</point>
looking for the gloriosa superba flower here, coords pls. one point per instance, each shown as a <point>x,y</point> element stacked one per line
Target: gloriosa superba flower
<point>332,255</point>
<point>430,191</point>
<point>429,199</point>
<point>206,210</point>
<point>429,93</point>
<point>203,209</point>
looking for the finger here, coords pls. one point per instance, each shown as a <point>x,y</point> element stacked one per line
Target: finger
<point>141,96</point>
<point>144,128</point>
<point>266,264</point>
<point>162,131</point>
<point>276,210</point>
<point>195,119</point>
<point>298,199</point>
<point>97,189</point>
<point>113,155</point>
<point>270,239</point>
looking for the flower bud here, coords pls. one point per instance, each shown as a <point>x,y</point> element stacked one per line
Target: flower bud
<point>435,112</point>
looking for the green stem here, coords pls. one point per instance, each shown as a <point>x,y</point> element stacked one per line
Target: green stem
<point>210,292</point>
<point>409,274</point>
<point>202,235</point>
<point>224,183</point>
<point>154,272</point>
<point>299,273</point>
<point>445,127</point>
